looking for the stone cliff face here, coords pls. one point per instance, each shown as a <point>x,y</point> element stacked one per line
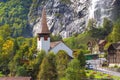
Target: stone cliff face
<point>98,10</point>
<point>67,17</point>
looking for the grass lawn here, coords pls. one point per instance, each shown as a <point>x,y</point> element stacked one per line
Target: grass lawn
<point>99,75</point>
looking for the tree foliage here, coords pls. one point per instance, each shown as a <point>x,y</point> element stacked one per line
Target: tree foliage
<point>62,60</point>
<point>15,14</point>
<point>36,63</point>
<point>21,71</point>
<point>107,25</point>
<point>115,34</point>
<point>48,68</point>
<point>81,58</point>
<point>91,24</point>
<point>74,71</point>
<point>55,37</point>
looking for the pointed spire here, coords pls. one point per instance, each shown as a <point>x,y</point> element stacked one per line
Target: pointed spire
<point>44,27</point>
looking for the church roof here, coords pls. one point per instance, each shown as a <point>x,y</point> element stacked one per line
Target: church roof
<point>53,44</point>
<point>44,28</point>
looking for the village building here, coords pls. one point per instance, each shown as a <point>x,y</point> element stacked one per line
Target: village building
<point>114,54</point>
<point>93,47</point>
<point>43,39</point>
<point>15,78</point>
<point>101,44</point>
<point>96,47</point>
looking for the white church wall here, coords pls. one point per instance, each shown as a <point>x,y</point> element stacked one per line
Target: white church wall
<point>62,46</point>
<point>43,44</point>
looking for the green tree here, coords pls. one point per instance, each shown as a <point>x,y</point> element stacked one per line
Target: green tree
<point>21,71</point>
<point>71,42</point>
<point>55,37</point>
<point>81,58</point>
<point>8,47</point>
<point>91,24</point>
<point>6,54</point>
<point>48,68</point>
<point>15,14</point>
<point>115,35</point>
<point>107,26</point>
<point>12,67</point>
<point>5,31</point>
<point>74,72</point>
<point>36,63</point>
<point>62,60</point>
<point>32,49</point>
<point>1,43</point>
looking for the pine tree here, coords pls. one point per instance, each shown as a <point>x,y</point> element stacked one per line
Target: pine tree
<point>62,60</point>
<point>37,62</point>
<point>115,35</point>
<point>48,68</point>
<point>81,58</point>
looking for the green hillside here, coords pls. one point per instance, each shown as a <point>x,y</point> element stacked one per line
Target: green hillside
<point>14,13</point>
<point>108,31</point>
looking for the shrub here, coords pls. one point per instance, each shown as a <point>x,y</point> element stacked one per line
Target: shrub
<point>92,76</point>
<point>116,66</point>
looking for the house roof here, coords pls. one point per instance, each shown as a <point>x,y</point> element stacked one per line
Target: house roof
<point>56,43</point>
<point>53,44</point>
<point>15,78</point>
<point>116,45</point>
<point>44,28</point>
<point>101,41</point>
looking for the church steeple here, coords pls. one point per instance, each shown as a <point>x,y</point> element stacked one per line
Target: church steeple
<point>43,39</point>
<point>44,28</point>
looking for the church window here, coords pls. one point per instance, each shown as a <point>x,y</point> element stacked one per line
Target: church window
<point>46,38</point>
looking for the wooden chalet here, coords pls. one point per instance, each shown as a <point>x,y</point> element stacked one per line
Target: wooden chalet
<point>101,44</point>
<point>114,54</point>
<point>93,46</point>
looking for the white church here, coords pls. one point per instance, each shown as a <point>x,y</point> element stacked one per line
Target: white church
<point>43,39</point>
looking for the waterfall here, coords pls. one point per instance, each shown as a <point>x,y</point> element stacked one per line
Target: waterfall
<point>99,9</point>
<point>92,8</point>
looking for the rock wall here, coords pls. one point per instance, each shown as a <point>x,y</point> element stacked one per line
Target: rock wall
<point>68,17</point>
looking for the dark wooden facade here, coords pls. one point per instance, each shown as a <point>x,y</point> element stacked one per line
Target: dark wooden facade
<point>101,44</point>
<point>96,45</point>
<point>114,53</point>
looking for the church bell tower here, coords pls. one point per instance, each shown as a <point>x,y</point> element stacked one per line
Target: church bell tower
<point>43,37</point>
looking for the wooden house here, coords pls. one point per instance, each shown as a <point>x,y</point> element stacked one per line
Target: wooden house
<point>101,44</point>
<point>93,46</point>
<point>114,54</point>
